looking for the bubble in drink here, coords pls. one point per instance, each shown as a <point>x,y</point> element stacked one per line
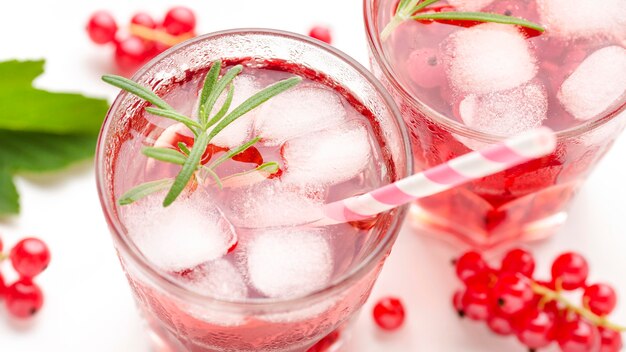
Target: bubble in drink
<point>289,262</point>
<point>596,84</point>
<point>506,113</point>
<point>572,19</point>
<point>307,108</point>
<point>189,232</point>
<point>488,58</point>
<point>338,155</point>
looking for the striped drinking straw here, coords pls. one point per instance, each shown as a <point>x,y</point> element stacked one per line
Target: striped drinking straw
<point>468,167</point>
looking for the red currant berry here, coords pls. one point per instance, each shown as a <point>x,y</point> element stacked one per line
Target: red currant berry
<point>179,20</point>
<point>23,299</point>
<point>600,299</point>
<point>611,340</point>
<point>536,329</point>
<point>144,20</point>
<point>101,27</point>
<point>513,294</point>
<point>30,257</point>
<point>425,68</point>
<point>571,269</point>
<point>321,33</point>
<point>131,53</point>
<point>457,303</point>
<point>499,323</point>
<point>578,336</point>
<point>470,265</point>
<point>389,313</point>
<point>518,261</point>
<point>475,302</point>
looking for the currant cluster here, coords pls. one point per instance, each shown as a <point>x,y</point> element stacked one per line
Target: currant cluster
<point>512,302</point>
<point>29,257</point>
<point>144,38</point>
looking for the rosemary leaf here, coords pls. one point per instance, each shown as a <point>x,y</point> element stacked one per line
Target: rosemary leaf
<point>164,154</point>
<point>143,190</point>
<point>173,115</point>
<point>209,83</point>
<point>136,89</point>
<point>478,17</point>
<point>231,153</point>
<point>217,91</point>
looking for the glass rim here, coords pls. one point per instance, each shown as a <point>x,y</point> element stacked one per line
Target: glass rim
<point>375,46</point>
<point>172,286</point>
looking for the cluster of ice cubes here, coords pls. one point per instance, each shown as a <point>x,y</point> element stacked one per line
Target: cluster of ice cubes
<point>492,69</point>
<point>320,145</point>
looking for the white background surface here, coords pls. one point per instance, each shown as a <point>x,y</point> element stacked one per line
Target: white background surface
<point>88,304</point>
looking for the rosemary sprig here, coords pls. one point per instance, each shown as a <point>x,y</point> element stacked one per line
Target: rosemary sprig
<point>204,130</point>
<point>411,10</point>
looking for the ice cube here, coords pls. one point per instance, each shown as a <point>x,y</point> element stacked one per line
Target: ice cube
<point>219,279</point>
<point>596,84</point>
<point>272,204</point>
<point>470,5</point>
<point>289,262</point>
<point>504,113</point>
<point>303,109</point>
<point>327,157</point>
<point>189,232</point>
<point>571,19</point>
<point>487,58</point>
<point>239,131</point>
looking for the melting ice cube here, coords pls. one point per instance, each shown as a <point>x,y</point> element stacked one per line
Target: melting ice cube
<point>571,19</point>
<point>219,279</point>
<point>189,232</point>
<point>327,157</point>
<point>299,111</point>
<point>273,203</point>
<point>488,58</point>
<point>504,113</point>
<point>289,262</point>
<point>596,84</point>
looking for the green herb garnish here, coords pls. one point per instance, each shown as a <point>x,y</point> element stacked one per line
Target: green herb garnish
<point>204,130</point>
<point>416,10</point>
<point>41,131</point>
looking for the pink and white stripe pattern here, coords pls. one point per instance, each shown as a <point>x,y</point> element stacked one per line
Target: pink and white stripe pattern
<point>478,164</point>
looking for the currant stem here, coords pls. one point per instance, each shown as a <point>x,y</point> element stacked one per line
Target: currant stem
<point>3,257</point>
<point>552,295</point>
<point>158,35</point>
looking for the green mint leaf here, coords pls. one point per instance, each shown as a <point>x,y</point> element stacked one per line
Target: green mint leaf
<point>218,89</point>
<point>183,148</point>
<point>25,108</point>
<point>134,88</point>
<point>143,190</point>
<point>9,198</point>
<point>209,83</point>
<point>254,101</point>
<point>38,152</point>
<point>189,167</point>
<point>164,154</point>
<point>235,151</point>
<point>479,17</point>
<point>173,115</point>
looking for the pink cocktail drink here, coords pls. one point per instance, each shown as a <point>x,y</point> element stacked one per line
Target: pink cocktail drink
<point>234,264</point>
<point>462,87</point>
